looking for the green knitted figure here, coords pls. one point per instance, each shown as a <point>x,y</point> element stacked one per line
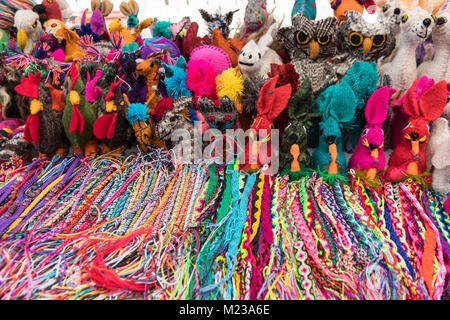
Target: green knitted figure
<point>79,117</point>
<point>305,7</point>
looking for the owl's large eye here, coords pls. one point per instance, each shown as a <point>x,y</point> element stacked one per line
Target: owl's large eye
<point>34,25</point>
<point>302,38</point>
<point>356,39</point>
<point>378,40</point>
<point>324,40</point>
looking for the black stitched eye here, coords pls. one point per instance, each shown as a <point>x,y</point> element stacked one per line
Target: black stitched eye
<point>302,38</point>
<point>365,132</point>
<point>356,39</point>
<point>406,125</point>
<point>172,119</point>
<point>379,40</point>
<point>259,55</point>
<point>292,138</point>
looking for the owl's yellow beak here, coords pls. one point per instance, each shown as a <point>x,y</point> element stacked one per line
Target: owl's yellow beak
<point>367,45</point>
<point>22,38</point>
<point>313,49</point>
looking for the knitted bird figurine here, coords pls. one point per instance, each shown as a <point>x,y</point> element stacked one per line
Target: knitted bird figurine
<point>52,9</point>
<point>369,153</point>
<point>79,117</point>
<point>409,157</point>
<point>28,28</point>
<point>337,105</point>
<point>175,79</point>
<point>272,101</point>
<point>305,7</point>
<point>44,127</point>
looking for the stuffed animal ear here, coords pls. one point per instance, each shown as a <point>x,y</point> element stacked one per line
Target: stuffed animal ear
<point>301,101</point>
<point>95,5</point>
<point>205,15</point>
<point>343,102</point>
<point>134,6</point>
<point>181,63</point>
<point>125,9</point>
<point>378,106</point>
<point>272,101</point>
<point>106,8</point>
<point>205,106</point>
<point>229,16</point>
<point>286,35</point>
<point>97,24</point>
<point>433,101</point>
<point>266,40</point>
<point>410,104</point>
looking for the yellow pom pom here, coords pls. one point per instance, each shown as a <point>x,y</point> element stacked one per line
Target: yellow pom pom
<point>110,106</point>
<point>231,84</point>
<point>36,106</point>
<point>74,98</point>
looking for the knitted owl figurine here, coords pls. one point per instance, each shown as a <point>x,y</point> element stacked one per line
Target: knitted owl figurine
<point>272,101</point>
<point>28,28</point>
<point>310,44</point>
<point>363,41</point>
<point>337,105</point>
<point>44,127</point>
<point>79,117</point>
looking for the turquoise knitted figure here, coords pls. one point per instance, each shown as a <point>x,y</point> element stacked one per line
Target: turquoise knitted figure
<point>337,104</point>
<point>305,7</point>
<point>363,78</point>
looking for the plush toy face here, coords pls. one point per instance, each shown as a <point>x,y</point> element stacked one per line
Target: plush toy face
<point>416,26</point>
<point>296,133</point>
<point>53,26</point>
<point>331,131</point>
<point>341,7</point>
<point>366,41</point>
<point>314,39</point>
<point>373,138</point>
<point>255,14</point>
<point>417,130</point>
<point>442,27</point>
<point>221,118</point>
<point>28,21</point>
<point>218,21</point>
<point>177,118</point>
<point>250,58</point>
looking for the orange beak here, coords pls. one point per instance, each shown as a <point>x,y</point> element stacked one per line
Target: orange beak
<point>295,152</point>
<point>333,168</point>
<point>374,154</point>
<point>415,147</point>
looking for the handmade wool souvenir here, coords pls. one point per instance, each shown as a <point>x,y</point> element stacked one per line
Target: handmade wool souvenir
<point>13,104</point>
<point>423,105</point>
<point>177,130</point>
<point>342,7</point>
<point>250,96</point>
<point>230,84</point>
<point>112,127</point>
<point>133,85</point>
<point>310,44</point>
<point>28,26</point>
<point>337,105</point>
<point>150,70</point>
<point>299,110</point>
<point>305,7</point>
<point>363,41</point>
<point>44,126</point>
<point>272,101</point>
<point>175,79</point>
<point>231,46</point>
<point>221,117</point>
<point>201,80</point>
<point>192,41</point>
<point>218,21</point>
<point>363,79</point>
<point>66,36</point>
<point>439,67</point>
<point>369,154</point>
<point>79,117</point>
<point>255,58</point>
<point>438,155</point>
<point>15,146</point>
<point>161,45</point>
<point>143,126</point>
<point>212,55</point>
<point>96,27</point>
<point>52,9</point>
<point>415,28</point>
<point>130,10</point>
<point>129,36</point>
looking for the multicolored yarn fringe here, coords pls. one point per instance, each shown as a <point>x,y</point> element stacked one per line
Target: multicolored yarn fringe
<point>143,227</point>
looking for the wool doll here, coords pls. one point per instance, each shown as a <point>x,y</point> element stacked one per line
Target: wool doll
<point>363,41</point>
<point>439,67</point>
<point>143,126</point>
<point>79,117</point>
<point>363,79</point>
<point>150,70</point>
<point>96,27</point>
<point>341,7</point>
<point>272,101</point>
<point>215,56</point>
<point>66,37</point>
<point>231,84</point>
<point>250,96</point>
<point>130,10</point>
<point>222,117</point>
<point>231,46</point>
<point>218,21</point>
<point>409,156</point>
<point>129,36</point>
<point>438,155</point>
<point>52,9</point>
<point>135,86</point>
<point>415,28</point>
<point>15,146</point>
<point>369,153</point>
<point>44,127</point>
<point>175,79</point>
<point>337,105</point>
<point>299,110</point>
<point>310,44</point>
<point>305,7</point>
<point>192,41</point>
<point>28,26</point>
<point>255,58</point>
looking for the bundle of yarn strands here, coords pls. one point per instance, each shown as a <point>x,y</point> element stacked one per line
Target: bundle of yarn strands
<point>100,198</point>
